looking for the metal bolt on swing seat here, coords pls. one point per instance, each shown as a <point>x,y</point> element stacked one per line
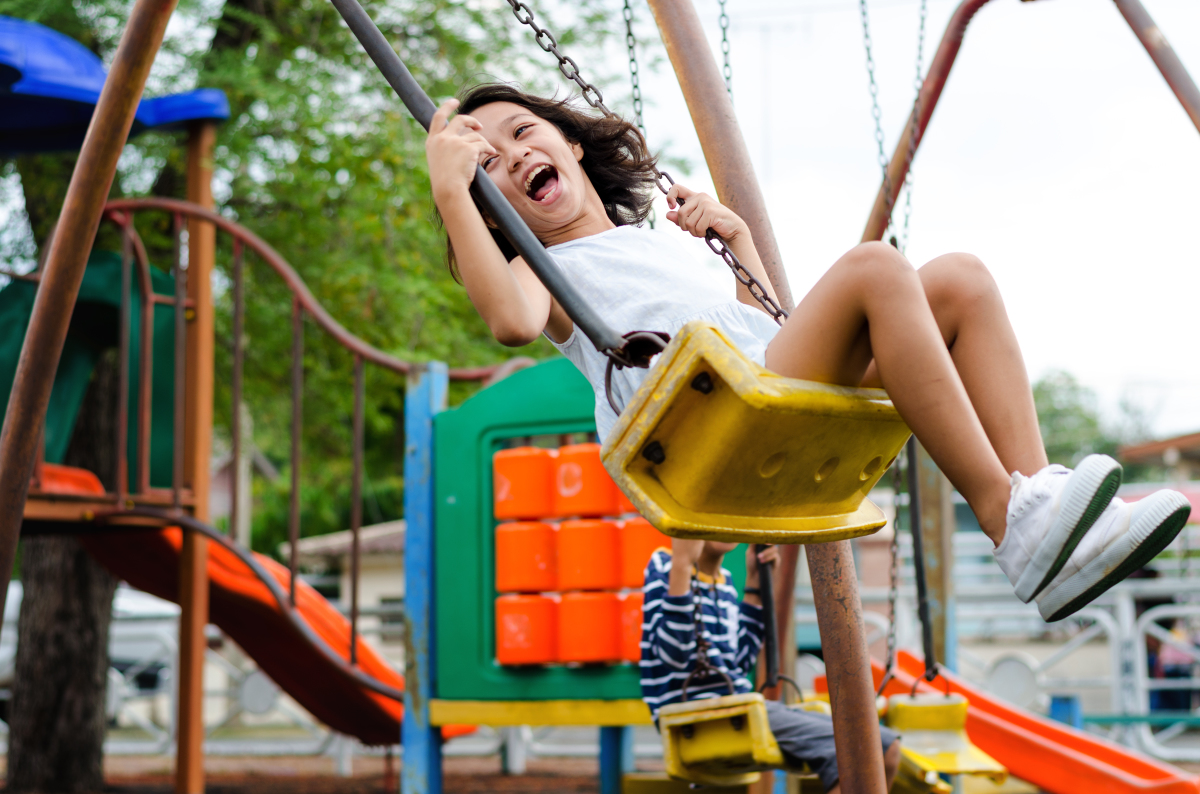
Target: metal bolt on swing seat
<point>703,383</point>
<point>738,722</point>
<point>688,731</point>
<point>654,453</point>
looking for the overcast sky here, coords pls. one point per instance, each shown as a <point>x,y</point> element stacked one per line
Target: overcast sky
<point>1057,154</point>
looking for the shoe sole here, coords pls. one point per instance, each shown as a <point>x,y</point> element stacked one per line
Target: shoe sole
<point>1092,486</point>
<point>1152,532</point>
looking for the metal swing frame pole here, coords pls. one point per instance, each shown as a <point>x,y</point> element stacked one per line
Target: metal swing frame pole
<point>831,565</point>
<point>1134,13</point>
<point>65,263</point>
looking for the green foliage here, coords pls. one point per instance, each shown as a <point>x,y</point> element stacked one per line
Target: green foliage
<point>1069,419</point>
<point>1072,427</point>
<point>322,161</point>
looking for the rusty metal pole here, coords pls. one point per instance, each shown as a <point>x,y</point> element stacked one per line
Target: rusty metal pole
<point>1164,56</point>
<point>197,438</point>
<point>847,667</point>
<point>835,584</point>
<point>716,125</point>
<point>931,91</point>
<point>65,263</point>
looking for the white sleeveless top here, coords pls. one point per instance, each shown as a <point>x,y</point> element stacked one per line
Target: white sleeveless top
<point>643,280</point>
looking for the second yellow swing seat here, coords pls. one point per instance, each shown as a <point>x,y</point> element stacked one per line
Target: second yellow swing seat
<point>716,447</point>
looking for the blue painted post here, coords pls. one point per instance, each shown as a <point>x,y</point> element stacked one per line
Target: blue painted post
<point>616,757</point>
<point>1067,709</point>
<point>425,397</point>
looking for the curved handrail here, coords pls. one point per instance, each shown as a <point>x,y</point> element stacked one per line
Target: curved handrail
<point>293,281</point>
<point>173,518</point>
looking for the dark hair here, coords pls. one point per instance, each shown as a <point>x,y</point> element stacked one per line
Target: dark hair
<point>615,156</point>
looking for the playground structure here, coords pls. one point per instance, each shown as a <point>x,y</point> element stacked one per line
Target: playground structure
<point>184,503</point>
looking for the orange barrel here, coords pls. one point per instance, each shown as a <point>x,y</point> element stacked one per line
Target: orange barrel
<point>526,629</point>
<point>523,483</point>
<point>639,539</point>
<point>525,557</point>
<point>589,555</point>
<point>631,627</point>
<point>581,485</point>
<point>589,627</point>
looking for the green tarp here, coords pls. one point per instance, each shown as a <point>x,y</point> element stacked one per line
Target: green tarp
<point>95,327</point>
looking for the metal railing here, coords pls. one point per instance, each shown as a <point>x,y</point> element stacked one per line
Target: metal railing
<point>137,499</point>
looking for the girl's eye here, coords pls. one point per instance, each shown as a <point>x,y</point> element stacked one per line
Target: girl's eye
<point>521,128</point>
<point>487,163</point>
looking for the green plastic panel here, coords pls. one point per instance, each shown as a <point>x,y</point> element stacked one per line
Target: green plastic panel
<point>550,398</point>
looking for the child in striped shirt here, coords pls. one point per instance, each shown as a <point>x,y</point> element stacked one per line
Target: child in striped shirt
<point>691,575</point>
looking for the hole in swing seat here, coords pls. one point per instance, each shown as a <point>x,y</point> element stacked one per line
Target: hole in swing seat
<point>771,466</point>
<point>871,468</point>
<point>827,469</point>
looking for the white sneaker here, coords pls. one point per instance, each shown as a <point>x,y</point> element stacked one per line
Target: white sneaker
<point>1048,514</point>
<point>1125,538</point>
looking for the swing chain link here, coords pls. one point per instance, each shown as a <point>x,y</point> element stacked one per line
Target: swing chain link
<point>547,41</point>
<point>524,15</point>
<point>876,113</point>
<point>913,138</point>
<point>635,83</point>
<point>704,668</point>
<point>894,573</point>
<point>726,68</point>
<point>634,77</point>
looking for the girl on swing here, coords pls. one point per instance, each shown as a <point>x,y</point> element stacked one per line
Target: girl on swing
<point>936,338</point>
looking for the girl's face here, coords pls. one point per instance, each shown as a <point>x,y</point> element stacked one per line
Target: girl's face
<point>536,168</point>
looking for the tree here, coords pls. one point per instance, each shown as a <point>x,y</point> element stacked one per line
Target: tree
<point>57,722</point>
<point>321,161</point>
<point>1069,419</point>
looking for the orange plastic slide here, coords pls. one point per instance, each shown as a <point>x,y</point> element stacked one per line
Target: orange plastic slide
<point>244,608</point>
<point>1055,757</point>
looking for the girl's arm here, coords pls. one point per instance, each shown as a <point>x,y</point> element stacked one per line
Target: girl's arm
<point>508,296</point>
<point>701,212</point>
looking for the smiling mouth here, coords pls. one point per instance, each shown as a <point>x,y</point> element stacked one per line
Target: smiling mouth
<point>541,181</point>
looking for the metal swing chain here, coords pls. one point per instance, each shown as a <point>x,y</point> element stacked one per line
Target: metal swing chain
<point>918,82</point>
<point>704,668</point>
<point>546,40</point>
<point>635,84</point>
<point>894,578</point>
<point>726,68</point>
<point>877,115</point>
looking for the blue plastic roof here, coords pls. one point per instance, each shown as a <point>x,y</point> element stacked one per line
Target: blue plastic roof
<point>49,86</point>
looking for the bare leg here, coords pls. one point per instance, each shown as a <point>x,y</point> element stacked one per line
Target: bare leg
<point>872,305</point>
<point>970,314</point>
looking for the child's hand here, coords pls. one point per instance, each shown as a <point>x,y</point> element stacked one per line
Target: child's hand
<point>453,150</point>
<point>701,212</point>
<point>767,556</point>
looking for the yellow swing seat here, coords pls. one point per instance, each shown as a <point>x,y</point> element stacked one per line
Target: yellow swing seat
<point>933,728</point>
<point>716,447</point>
<point>722,741</point>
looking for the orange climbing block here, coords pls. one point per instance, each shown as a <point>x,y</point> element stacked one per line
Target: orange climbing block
<point>526,558</point>
<point>631,627</point>
<point>523,483</point>
<point>639,539</point>
<point>589,627</point>
<point>526,629</point>
<point>582,487</point>
<point>589,555</point>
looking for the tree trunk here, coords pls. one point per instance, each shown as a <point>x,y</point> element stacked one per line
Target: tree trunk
<point>56,731</point>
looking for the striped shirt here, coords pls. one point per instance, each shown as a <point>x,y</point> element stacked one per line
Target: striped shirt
<point>734,631</point>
